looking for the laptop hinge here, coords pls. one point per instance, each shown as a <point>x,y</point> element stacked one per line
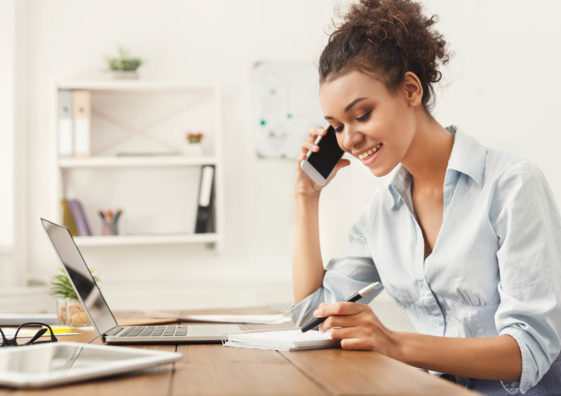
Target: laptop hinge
<point>115,330</point>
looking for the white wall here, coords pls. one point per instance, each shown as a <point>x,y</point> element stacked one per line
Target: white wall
<point>7,49</point>
<point>500,87</point>
<point>7,41</point>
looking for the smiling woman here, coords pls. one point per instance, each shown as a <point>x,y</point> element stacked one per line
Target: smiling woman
<point>466,238</point>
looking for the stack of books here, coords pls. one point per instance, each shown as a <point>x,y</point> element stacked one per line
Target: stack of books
<point>74,218</point>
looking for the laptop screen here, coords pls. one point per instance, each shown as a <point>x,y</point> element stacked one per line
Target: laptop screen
<point>80,276</point>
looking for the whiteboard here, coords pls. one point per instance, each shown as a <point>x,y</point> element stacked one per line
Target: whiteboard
<point>286,105</point>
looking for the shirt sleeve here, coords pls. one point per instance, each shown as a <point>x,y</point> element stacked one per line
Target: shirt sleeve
<point>343,277</point>
<point>528,225</point>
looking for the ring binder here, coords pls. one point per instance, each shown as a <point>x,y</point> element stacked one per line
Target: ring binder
<point>205,205</point>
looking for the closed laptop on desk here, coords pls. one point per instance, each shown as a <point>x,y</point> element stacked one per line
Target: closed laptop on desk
<point>99,312</point>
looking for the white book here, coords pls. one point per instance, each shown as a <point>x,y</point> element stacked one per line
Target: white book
<point>15,319</point>
<point>65,136</point>
<point>281,339</point>
<point>227,318</point>
<point>81,101</point>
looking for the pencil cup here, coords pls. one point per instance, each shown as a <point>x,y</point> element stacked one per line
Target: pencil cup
<point>110,219</point>
<point>110,227</point>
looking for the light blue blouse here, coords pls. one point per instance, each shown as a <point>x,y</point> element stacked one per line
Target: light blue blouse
<point>495,268</point>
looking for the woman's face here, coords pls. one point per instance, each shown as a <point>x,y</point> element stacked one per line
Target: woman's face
<point>370,122</point>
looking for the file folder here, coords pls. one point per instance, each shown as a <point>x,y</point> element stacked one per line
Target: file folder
<point>65,133</point>
<point>81,101</point>
<point>205,205</point>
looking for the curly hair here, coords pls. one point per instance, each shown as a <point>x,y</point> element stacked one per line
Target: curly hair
<point>386,38</point>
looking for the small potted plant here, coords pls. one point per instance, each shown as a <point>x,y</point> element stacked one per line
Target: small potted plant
<point>193,143</point>
<point>69,309</point>
<point>124,66</point>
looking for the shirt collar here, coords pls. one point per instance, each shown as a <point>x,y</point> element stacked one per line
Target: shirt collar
<point>468,157</point>
<point>399,186</point>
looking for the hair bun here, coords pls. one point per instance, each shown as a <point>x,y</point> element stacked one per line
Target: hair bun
<point>390,36</point>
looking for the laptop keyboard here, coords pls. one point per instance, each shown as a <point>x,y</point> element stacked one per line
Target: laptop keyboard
<point>154,331</point>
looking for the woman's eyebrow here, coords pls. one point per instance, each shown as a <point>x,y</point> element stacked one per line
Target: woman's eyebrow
<point>348,107</point>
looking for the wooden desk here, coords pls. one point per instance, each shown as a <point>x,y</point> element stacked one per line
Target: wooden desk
<point>216,370</point>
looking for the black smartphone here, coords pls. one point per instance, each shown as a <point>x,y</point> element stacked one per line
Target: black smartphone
<point>319,165</point>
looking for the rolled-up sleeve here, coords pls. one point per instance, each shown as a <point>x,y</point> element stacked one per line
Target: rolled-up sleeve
<point>343,277</point>
<point>527,222</point>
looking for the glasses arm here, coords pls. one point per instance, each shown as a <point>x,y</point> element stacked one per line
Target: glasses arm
<point>37,335</point>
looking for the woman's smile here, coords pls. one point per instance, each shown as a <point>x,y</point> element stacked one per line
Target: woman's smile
<point>368,157</point>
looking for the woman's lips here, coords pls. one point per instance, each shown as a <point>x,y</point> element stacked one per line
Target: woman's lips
<point>369,160</point>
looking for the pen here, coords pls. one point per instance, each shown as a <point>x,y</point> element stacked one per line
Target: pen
<point>60,330</point>
<point>376,286</point>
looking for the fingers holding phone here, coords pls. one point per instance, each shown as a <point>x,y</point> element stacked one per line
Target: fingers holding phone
<point>320,160</point>
<point>304,184</point>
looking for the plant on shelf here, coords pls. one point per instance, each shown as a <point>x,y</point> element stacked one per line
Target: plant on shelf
<point>69,309</point>
<point>194,145</point>
<point>124,65</point>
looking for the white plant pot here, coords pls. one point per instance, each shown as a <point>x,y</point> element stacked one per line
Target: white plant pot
<point>193,149</point>
<point>124,75</point>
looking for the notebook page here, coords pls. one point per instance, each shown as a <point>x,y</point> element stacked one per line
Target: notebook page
<point>286,339</point>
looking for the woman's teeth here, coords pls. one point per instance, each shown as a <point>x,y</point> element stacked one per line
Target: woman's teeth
<point>370,152</point>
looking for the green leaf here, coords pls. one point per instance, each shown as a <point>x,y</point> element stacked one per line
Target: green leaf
<point>61,286</point>
<point>123,62</point>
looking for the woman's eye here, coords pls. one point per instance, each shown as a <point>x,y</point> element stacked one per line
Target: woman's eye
<point>364,117</point>
<point>338,129</point>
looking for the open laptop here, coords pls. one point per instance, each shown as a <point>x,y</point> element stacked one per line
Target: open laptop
<point>101,316</point>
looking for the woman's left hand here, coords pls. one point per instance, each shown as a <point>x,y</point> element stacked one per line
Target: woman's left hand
<point>356,326</point>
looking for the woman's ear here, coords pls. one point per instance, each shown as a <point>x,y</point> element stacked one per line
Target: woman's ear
<point>413,89</point>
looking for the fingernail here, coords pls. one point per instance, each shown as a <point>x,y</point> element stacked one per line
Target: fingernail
<point>316,148</point>
<point>316,312</point>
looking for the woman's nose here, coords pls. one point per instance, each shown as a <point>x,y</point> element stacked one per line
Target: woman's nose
<point>350,139</point>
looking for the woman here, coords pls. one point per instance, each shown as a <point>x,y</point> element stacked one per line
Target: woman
<point>465,238</point>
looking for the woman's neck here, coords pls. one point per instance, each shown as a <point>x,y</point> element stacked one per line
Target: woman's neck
<point>428,154</point>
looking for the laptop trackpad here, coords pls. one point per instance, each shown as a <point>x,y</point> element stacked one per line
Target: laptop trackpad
<point>211,330</point>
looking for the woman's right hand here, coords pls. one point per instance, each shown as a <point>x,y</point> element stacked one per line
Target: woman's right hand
<point>304,185</point>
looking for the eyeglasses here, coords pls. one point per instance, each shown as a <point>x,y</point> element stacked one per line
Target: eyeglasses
<point>33,340</point>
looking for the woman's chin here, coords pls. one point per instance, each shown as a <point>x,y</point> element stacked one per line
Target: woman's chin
<point>381,171</point>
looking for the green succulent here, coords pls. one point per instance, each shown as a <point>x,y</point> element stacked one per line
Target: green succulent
<point>124,62</point>
<point>61,286</point>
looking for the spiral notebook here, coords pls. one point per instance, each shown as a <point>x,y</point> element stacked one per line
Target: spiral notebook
<point>281,339</point>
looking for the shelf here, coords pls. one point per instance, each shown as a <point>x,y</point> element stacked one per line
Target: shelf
<point>124,240</point>
<point>116,162</point>
<point>134,85</point>
<point>147,120</point>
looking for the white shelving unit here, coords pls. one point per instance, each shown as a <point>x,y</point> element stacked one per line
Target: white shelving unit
<point>116,162</point>
<point>154,190</point>
<point>123,240</point>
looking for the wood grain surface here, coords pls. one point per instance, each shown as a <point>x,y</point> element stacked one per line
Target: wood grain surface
<point>212,369</point>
